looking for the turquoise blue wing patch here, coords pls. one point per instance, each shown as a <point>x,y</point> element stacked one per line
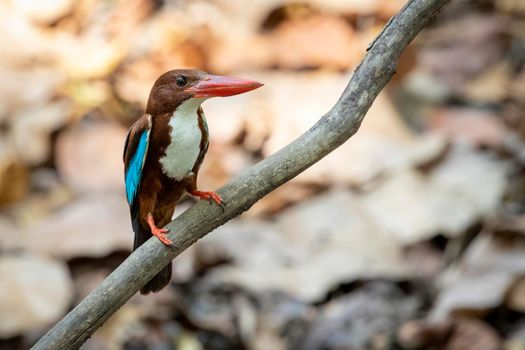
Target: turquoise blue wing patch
<point>134,172</point>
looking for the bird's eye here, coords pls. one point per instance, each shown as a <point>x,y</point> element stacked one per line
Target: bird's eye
<point>181,80</point>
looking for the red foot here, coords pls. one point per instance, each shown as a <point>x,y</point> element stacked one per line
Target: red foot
<point>211,196</point>
<point>160,233</point>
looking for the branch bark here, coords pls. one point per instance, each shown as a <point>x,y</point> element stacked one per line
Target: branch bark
<point>334,128</point>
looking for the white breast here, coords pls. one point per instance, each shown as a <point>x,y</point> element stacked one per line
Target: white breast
<point>181,154</point>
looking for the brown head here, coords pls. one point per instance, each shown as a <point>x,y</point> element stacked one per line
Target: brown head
<point>176,86</point>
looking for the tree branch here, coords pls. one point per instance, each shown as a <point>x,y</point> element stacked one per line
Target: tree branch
<point>334,128</point>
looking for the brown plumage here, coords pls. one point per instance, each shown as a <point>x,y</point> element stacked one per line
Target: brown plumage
<point>162,163</point>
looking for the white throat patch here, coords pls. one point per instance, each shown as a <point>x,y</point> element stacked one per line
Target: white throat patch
<point>184,148</point>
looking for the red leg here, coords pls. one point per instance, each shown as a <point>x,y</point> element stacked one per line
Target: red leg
<point>211,196</point>
<point>160,233</point>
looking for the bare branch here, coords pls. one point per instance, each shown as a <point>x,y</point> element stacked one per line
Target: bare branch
<point>334,128</point>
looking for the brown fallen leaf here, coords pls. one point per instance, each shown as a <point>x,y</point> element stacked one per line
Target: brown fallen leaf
<point>47,194</point>
<point>168,40</point>
<point>476,127</point>
<point>515,298</point>
<point>31,130</point>
<point>451,334</point>
<point>507,224</point>
<point>490,264</point>
<point>313,247</point>
<point>421,334</point>
<point>43,12</point>
<point>18,29</point>
<point>472,334</point>
<point>222,163</point>
<point>34,293</point>
<point>517,88</point>
<point>228,53</point>
<point>383,8</point>
<point>384,142</point>
<point>464,171</point>
<point>13,88</point>
<point>463,47</point>
<point>302,43</point>
<point>427,260</point>
<point>286,195</point>
<point>91,226</point>
<point>462,296</point>
<point>491,86</point>
<point>9,234</point>
<point>413,207</point>
<point>510,6</point>
<point>89,56</point>
<point>89,156</point>
<point>14,176</point>
<point>245,120</point>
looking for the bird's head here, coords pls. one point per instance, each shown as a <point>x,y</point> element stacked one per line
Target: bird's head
<point>177,86</point>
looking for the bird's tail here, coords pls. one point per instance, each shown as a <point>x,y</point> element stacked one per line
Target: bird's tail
<point>160,280</point>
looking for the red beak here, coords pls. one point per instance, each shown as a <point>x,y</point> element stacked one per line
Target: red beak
<point>217,85</point>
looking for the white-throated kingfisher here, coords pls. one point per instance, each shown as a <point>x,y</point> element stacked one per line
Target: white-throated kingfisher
<point>164,150</point>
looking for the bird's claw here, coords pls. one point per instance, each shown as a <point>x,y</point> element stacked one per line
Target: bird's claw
<point>221,204</point>
<point>160,233</point>
<point>212,197</point>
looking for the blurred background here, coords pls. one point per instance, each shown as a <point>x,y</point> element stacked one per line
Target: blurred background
<point>410,235</point>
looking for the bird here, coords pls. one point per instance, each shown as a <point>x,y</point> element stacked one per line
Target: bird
<point>164,150</point>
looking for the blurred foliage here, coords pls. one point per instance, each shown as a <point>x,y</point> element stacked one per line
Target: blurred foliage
<point>411,235</point>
